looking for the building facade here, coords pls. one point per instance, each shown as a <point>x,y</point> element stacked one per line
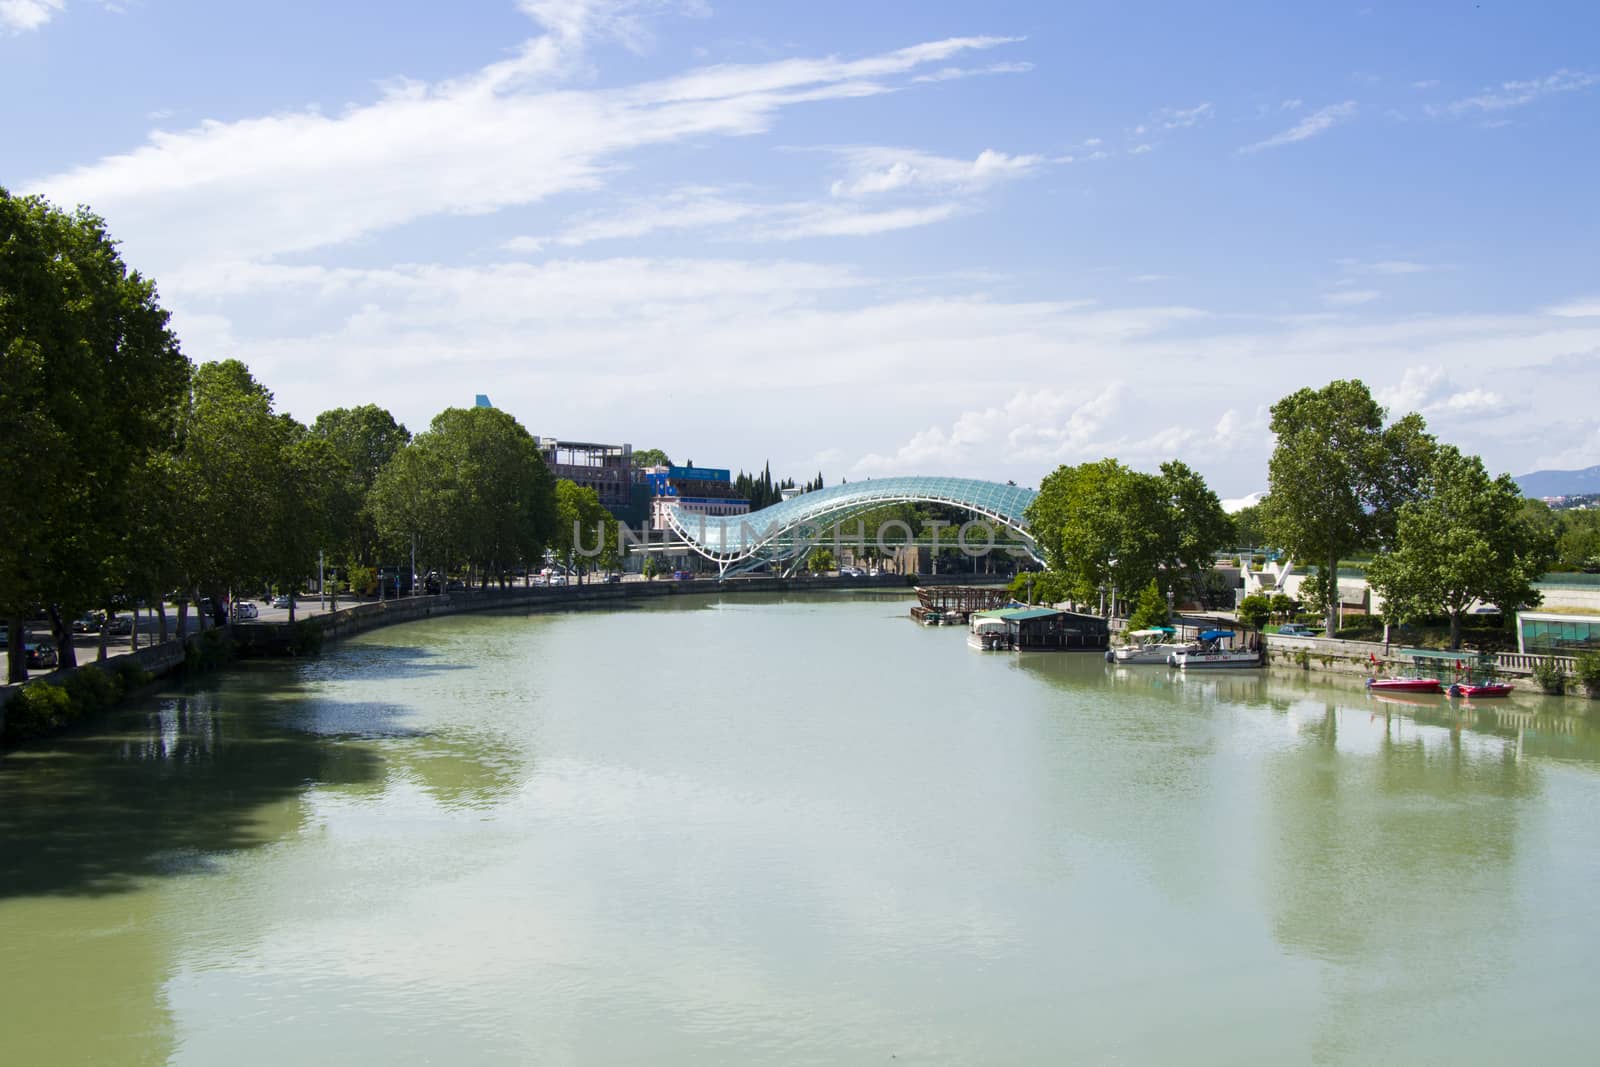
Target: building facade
<point>697,490</point>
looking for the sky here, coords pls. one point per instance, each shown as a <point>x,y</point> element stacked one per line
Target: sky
<point>857,239</point>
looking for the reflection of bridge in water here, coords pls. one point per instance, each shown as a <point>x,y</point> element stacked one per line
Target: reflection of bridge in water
<point>782,535</point>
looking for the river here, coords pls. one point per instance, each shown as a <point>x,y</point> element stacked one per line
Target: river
<point>792,830</point>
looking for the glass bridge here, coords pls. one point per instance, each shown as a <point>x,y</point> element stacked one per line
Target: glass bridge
<point>783,535</point>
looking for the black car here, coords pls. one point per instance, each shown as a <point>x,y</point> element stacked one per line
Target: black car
<point>41,654</point>
<point>119,625</point>
<point>612,579</point>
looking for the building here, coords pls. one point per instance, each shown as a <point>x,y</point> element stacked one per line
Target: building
<point>1552,633</point>
<point>697,490</point>
<point>607,469</point>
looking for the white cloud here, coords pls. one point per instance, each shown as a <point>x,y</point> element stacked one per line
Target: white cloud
<point>1145,278</point>
<point>880,170</point>
<point>1577,309</point>
<point>1351,297</point>
<point>952,73</point>
<point>502,136</point>
<point>1237,504</point>
<point>1429,84</point>
<point>1139,150</point>
<point>1429,391</point>
<point>827,220</point>
<point>1390,267</point>
<point>1294,104</point>
<point>18,16</point>
<point>1176,118</point>
<point>1308,127</point>
<point>1513,94</point>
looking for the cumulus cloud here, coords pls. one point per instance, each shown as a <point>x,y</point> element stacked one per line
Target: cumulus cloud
<point>19,16</point>
<point>1428,390</point>
<point>1308,127</point>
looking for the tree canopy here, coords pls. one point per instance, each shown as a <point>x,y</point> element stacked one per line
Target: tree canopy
<point>1337,477</point>
<point>1465,539</point>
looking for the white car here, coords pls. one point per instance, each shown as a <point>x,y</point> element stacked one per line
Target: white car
<point>245,610</point>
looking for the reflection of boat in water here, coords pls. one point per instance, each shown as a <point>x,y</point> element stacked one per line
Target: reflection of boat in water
<point>1414,700</point>
<point>1147,646</point>
<point>1213,653</point>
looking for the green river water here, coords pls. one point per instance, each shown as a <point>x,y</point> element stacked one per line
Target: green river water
<point>793,830</point>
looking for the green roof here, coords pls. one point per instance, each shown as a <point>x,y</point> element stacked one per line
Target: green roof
<point>1018,614</point>
<point>1443,654</point>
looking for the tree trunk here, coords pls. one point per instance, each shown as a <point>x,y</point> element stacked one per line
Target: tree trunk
<point>161,608</point>
<point>1455,630</point>
<point>1330,624</point>
<point>105,635</point>
<point>183,617</point>
<point>66,655</point>
<point>17,651</point>
<point>291,605</point>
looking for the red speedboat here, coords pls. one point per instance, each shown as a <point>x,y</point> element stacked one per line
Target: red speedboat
<point>1405,685</point>
<point>1480,689</point>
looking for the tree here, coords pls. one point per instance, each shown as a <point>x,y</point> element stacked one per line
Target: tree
<point>1464,541</point>
<point>583,525</point>
<point>364,439</point>
<point>471,489</point>
<point>1337,477</point>
<point>1250,526</point>
<point>89,379</point>
<point>651,457</point>
<point>1254,610</point>
<point>1151,609</point>
<point>1194,526</point>
<point>1101,525</point>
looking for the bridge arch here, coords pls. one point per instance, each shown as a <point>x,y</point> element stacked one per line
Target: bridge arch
<point>784,533</point>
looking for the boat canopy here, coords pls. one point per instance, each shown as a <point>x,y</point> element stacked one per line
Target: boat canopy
<point>1214,635</point>
<point>1154,631</point>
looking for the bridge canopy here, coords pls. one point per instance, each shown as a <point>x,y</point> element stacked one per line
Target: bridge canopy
<point>787,530</point>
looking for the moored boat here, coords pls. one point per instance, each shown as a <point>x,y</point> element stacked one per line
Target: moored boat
<point>1215,651</point>
<point>1154,645</point>
<point>1405,684</point>
<point>1480,688</point>
<point>987,633</point>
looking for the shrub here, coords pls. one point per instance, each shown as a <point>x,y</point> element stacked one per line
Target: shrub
<point>36,709</point>
<point>1551,675</point>
<point>211,651</point>
<point>1254,610</point>
<point>131,674</point>
<point>1588,672</point>
<point>92,691</point>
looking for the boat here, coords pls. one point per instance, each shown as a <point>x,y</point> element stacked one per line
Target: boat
<point>932,618</point>
<point>1214,652</point>
<point>1154,645</point>
<point>1483,687</point>
<point>1405,684</point>
<point>987,633</point>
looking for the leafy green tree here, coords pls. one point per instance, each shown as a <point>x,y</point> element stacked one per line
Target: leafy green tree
<point>413,505</point>
<point>1577,546</point>
<point>1194,526</point>
<point>651,457</point>
<point>1337,476</point>
<point>582,526</point>
<point>1151,609</point>
<point>89,379</point>
<point>1100,525</point>
<point>1466,540</point>
<point>365,439</point>
<point>316,506</point>
<point>1040,587</point>
<point>820,561</point>
<point>1250,526</point>
<point>1254,610</point>
<point>1281,605</point>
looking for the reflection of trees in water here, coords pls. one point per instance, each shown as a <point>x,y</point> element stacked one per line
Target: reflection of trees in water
<point>1395,864</point>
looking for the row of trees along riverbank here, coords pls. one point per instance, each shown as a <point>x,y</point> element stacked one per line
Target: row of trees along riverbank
<point>1442,534</point>
<point>127,472</point>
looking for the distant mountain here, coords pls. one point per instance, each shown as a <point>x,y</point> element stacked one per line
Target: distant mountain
<point>1560,483</point>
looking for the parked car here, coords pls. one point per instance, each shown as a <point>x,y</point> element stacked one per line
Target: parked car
<point>119,625</point>
<point>282,600</point>
<point>41,654</point>
<point>86,624</point>
<point>683,576</point>
<point>612,579</point>
<point>245,610</point>
<point>1296,629</point>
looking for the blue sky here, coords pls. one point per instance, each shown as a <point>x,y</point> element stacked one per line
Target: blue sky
<point>940,238</point>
